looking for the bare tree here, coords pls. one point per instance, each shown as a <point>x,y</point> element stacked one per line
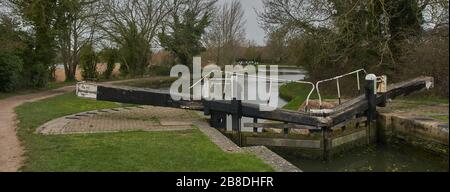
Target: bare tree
<point>76,26</point>
<point>226,33</point>
<point>133,25</point>
<point>304,15</point>
<point>435,13</point>
<point>341,32</point>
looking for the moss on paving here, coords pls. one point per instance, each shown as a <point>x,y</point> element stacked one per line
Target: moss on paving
<point>131,151</point>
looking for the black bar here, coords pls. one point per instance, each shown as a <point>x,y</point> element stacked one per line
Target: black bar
<point>372,108</point>
<point>255,129</point>
<point>236,115</point>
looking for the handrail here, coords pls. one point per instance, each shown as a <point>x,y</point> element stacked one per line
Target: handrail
<point>286,81</point>
<point>314,86</point>
<point>338,85</point>
<point>266,78</point>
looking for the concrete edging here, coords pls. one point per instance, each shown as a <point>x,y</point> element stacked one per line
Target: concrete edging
<point>278,163</point>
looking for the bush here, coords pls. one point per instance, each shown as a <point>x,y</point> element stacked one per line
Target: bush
<point>160,70</point>
<point>428,57</point>
<point>109,56</point>
<point>88,62</point>
<point>10,72</point>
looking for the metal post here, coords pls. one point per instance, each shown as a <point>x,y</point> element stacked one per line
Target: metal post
<point>255,129</point>
<point>286,131</point>
<point>236,118</point>
<point>326,142</point>
<point>358,81</point>
<point>339,91</point>
<point>371,94</point>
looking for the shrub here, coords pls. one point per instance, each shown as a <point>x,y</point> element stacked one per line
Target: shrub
<point>88,62</point>
<point>109,56</point>
<point>160,70</point>
<point>10,72</point>
<point>428,57</point>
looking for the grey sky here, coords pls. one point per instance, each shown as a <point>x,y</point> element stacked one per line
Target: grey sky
<point>253,29</point>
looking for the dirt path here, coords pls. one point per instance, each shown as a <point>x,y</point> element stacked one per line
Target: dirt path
<point>10,148</point>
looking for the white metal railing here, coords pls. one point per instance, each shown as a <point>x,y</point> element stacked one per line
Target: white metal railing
<point>272,80</point>
<point>338,84</point>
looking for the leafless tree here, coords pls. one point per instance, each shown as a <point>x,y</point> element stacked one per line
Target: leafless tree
<point>133,25</point>
<point>226,33</point>
<point>302,15</point>
<point>76,27</point>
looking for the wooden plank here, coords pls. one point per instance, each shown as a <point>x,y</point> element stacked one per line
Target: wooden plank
<point>348,138</point>
<point>140,96</point>
<point>280,126</point>
<point>279,142</point>
<point>347,111</point>
<point>357,120</point>
<point>253,111</point>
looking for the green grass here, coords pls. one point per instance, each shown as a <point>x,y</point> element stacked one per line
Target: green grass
<point>294,104</point>
<point>427,100</point>
<point>296,94</point>
<point>150,83</point>
<point>441,117</point>
<point>127,151</point>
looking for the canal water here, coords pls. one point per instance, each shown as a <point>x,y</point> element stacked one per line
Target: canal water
<point>395,157</point>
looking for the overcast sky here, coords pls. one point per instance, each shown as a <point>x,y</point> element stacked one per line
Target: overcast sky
<point>253,29</point>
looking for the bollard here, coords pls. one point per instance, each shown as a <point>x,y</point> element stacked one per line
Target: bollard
<point>371,95</point>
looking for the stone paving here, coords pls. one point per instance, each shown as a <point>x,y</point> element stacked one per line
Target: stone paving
<point>120,120</point>
<point>422,114</point>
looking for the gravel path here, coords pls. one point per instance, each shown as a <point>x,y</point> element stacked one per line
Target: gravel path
<point>10,148</point>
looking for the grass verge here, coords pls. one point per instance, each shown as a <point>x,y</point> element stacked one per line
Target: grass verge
<point>153,83</point>
<point>127,151</point>
<point>441,117</point>
<point>297,94</point>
